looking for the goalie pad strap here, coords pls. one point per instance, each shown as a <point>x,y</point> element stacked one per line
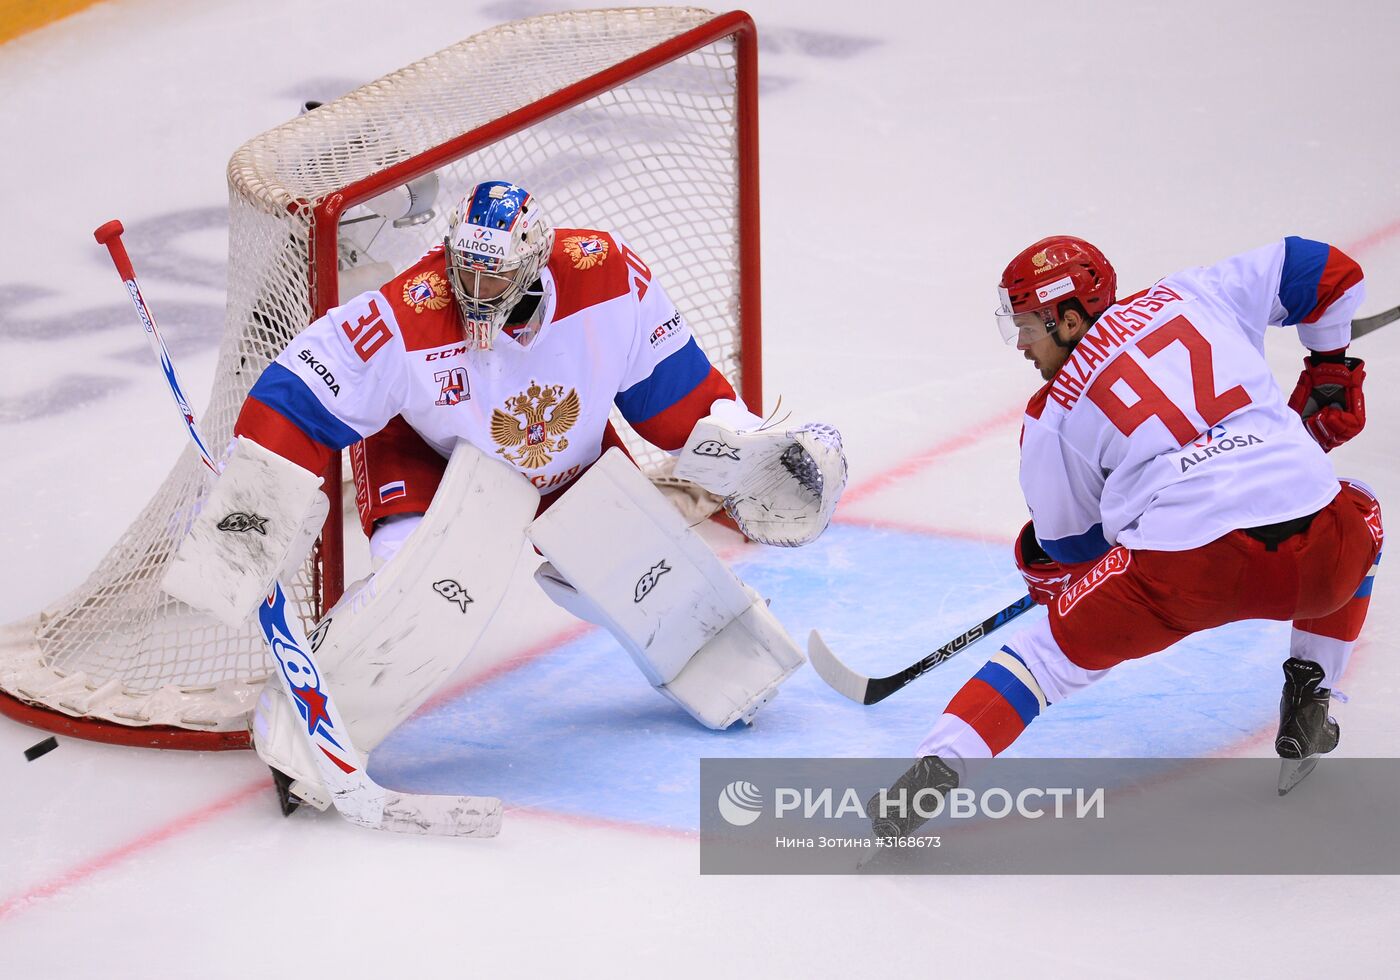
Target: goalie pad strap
<point>260,519</point>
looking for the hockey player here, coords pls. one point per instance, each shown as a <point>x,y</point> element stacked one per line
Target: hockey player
<point>1172,488</point>
<point>481,380</point>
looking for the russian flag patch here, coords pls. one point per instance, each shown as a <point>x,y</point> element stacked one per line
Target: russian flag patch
<point>392,491</point>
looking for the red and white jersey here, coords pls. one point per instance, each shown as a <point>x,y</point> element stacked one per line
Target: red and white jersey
<point>1165,428</point>
<point>608,335</point>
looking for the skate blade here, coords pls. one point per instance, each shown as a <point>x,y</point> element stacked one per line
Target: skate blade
<point>1294,771</point>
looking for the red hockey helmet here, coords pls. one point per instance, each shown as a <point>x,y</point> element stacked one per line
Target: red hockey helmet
<point>1043,276</point>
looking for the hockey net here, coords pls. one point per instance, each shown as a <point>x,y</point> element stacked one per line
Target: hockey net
<point>640,121</point>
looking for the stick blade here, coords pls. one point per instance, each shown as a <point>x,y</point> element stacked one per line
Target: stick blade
<point>443,816</point>
<point>1363,326</point>
<point>1294,771</point>
<point>837,675</point>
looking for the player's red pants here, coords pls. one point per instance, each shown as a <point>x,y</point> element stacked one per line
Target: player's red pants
<point>1134,603</point>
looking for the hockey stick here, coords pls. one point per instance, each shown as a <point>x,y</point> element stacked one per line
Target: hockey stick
<point>868,690</point>
<point>1365,325</point>
<point>357,798</point>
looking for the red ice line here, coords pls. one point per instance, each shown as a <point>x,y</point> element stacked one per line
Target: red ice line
<point>901,471</point>
<point>145,842</point>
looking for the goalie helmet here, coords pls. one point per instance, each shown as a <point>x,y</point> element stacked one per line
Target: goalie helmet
<point>1043,276</point>
<point>498,237</point>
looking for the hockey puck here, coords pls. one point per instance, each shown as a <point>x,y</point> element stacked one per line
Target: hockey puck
<point>40,748</point>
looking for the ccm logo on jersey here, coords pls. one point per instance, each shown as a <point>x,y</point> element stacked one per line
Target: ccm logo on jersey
<point>320,370</point>
<point>439,355</point>
<point>649,579</point>
<point>1114,563</point>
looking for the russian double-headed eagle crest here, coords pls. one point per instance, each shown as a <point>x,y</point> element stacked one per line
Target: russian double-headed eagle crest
<point>426,291</point>
<point>534,430</point>
<point>586,251</point>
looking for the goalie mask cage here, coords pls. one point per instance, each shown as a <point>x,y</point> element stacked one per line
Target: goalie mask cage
<point>641,121</point>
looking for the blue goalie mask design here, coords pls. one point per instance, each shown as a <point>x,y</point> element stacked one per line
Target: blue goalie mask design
<point>498,237</point>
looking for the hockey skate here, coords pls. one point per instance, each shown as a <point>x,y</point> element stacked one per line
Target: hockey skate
<point>929,773</point>
<point>1304,729</point>
<point>287,801</point>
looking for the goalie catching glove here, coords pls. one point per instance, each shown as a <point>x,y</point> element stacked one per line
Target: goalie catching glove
<point>779,486</point>
<point>257,525</point>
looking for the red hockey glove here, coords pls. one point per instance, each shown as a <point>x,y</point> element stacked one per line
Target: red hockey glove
<point>1328,398</point>
<point>1045,577</point>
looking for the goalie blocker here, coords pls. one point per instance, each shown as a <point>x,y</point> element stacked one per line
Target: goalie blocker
<point>257,525</point>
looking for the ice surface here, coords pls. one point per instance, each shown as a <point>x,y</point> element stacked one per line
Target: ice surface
<point>908,150</point>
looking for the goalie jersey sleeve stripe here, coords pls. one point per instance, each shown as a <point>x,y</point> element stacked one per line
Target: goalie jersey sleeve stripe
<point>664,406</point>
<point>272,431</point>
<point>283,415</point>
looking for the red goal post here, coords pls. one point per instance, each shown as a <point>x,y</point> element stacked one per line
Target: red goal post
<point>641,121</point>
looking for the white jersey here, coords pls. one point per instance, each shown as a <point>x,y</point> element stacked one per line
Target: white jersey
<point>608,335</point>
<point>1165,428</point>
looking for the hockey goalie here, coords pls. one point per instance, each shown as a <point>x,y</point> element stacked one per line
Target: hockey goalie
<point>474,390</point>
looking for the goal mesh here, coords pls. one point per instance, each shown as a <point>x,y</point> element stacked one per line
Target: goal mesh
<point>548,102</point>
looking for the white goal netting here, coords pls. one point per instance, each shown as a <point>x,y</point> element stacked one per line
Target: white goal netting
<point>655,158</point>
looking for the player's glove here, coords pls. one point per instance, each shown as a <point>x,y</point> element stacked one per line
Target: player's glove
<point>1045,577</point>
<point>1328,397</point>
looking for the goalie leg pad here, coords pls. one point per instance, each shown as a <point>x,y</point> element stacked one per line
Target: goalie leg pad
<point>395,636</point>
<point>620,556</point>
<point>260,519</point>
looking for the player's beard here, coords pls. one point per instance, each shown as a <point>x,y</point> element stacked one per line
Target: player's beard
<point>1045,373</point>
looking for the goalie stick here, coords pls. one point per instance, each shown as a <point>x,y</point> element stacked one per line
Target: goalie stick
<point>356,796</point>
<point>868,690</point>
